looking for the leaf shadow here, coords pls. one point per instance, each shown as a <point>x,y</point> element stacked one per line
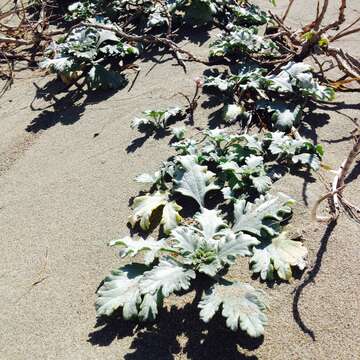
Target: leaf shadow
<point>140,141</point>
<point>310,278</point>
<point>178,331</point>
<point>64,109</point>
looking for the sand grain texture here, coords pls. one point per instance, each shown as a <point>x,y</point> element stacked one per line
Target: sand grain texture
<point>65,193</point>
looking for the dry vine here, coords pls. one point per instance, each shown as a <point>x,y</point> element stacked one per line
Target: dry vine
<point>338,185</point>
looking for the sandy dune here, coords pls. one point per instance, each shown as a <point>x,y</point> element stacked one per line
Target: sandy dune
<point>66,178</point>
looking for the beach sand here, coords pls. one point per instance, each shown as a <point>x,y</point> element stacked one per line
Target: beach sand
<point>66,178</point>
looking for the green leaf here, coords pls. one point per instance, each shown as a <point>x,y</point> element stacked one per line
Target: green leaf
<point>101,78</point>
<point>194,181</point>
<point>242,306</point>
<point>170,216</point>
<point>278,256</point>
<point>131,247</point>
<point>264,214</point>
<point>168,276</point>
<point>311,160</point>
<point>283,115</point>
<point>144,206</point>
<point>232,112</point>
<point>121,289</point>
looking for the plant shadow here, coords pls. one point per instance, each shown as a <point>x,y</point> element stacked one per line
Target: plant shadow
<point>165,339</point>
<point>65,109</point>
<point>310,278</point>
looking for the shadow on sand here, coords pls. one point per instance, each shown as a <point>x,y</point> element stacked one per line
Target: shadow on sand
<point>161,341</point>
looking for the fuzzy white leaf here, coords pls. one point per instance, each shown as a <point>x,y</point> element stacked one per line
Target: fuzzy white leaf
<point>279,256</point>
<point>242,306</point>
<point>171,217</point>
<point>121,289</point>
<point>308,159</point>
<point>233,245</point>
<point>131,247</point>
<point>144,207</point>
<point>195,181</point>
<point>249,217</point>
<point>168,276</point>
<point>210,222</point>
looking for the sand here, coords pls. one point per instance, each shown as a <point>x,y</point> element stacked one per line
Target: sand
<point>66,178</point>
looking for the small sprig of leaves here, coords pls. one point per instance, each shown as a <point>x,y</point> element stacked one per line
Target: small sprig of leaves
<point>241,40</point>
<point>280,97</point>
<point>156,119</point>
<point>90,53</point>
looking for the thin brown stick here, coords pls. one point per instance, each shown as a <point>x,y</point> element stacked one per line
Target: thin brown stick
<point>286,13</point>
<point>338,185</point>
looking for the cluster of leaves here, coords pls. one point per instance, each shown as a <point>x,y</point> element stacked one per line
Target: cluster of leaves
<point>227,223</point>
<point>211,200</point>
<point>154,14</point>
<point>91,53</point>
<point>156,119</point>
<point>241,40</point>
<point>281,96</point>
<point>97,54</point>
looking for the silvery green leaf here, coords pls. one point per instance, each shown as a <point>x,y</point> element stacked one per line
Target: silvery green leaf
<point>121,289</point>
<point>311,160</point>
<point>232,111</point>
<point>253,142</point>
<point>309,86</point>
<point>100,78</point>
<point>218,82</point>
<point>149,307</point>
<point>194,181</point>
<point>197,252</point>
<point>283,116</point>
<point>251,217</point>
<point>57,65</point>
<point>242,306</point>
<point>280,82</point>
<point>185,240</point>
<point>284,119</point>
<point>157,18</point>
<point>261,183</point>
<point>294,69</point>
<point>210,222</point>
<point>281,143</point>
<point>148,178</point>
<point>144,206</point>
<point>137,122</point>
<point>170,216</point>
<point>245,40</point>
<point>131,247</point>
<point>252,163</point>
<point>75,6</point>
<point>168,276</point>
<point>231,166</point>
<point>106,35</point>
<point>172,112</point>
<point>279,255</point>
<point>232,245</point>
<point>249,14</point>
<point>178,132</point>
